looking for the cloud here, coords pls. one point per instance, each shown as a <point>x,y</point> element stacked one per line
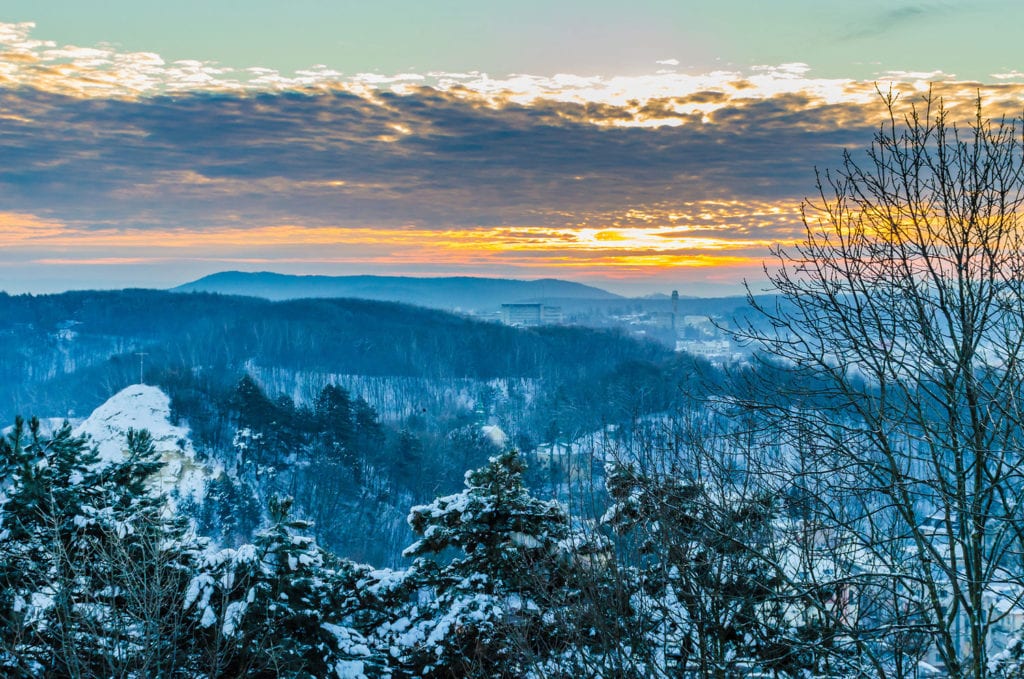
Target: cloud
<point>105,72</point>
<point>423,158</point>
<point>896,16</point>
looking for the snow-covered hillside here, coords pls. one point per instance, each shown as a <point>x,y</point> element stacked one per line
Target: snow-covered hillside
<point>142,406</point>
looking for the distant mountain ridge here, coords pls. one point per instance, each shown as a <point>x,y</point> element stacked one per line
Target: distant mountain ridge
<point>457,292</point>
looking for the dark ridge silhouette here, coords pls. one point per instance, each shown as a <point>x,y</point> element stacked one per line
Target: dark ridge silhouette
<point>462,292</point>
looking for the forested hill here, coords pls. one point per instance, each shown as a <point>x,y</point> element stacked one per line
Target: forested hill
<point>84,343</point>
<point>459,292</point>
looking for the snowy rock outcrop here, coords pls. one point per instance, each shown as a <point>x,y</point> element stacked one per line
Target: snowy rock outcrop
<point>142,406</point>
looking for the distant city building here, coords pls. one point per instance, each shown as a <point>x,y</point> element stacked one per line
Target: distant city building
<point>530,315</point>
<point>550,315</point>
<point>709,349</point>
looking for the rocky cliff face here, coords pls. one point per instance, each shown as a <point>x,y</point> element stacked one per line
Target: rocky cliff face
<point>145,407</point>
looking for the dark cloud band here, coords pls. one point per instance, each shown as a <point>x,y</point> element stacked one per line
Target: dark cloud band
<point>427,157</point>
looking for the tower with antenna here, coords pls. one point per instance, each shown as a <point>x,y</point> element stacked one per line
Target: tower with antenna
<point>142,355</point>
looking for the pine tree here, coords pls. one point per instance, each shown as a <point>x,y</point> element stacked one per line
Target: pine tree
<point>369,432</point>
<point>407,461</point>
<point>94,568</point>
<point>278,607</point>
<point>1008,663</point>
<point>258,437</point>
<point>252,405</point>
<point>334,416</point>
<point>504,603</point>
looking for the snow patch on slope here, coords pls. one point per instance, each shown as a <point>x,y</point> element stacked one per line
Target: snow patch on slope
<point>495,435</point>
<point>141,406</point>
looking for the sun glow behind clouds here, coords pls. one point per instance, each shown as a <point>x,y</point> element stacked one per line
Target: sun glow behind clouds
<point>621,251</point>
<point>697,245</point>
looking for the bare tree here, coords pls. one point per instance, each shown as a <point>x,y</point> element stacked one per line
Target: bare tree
<point>900,322</point>
<point>714,555</point>
<point>131,621</point>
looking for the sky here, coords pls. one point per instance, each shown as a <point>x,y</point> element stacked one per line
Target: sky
<point>641,147</point>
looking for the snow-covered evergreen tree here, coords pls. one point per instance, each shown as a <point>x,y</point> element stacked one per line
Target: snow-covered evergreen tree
<point>504,603</point>
<point>1008,663</point>
<point>278,607</point>
<point>93,568</point>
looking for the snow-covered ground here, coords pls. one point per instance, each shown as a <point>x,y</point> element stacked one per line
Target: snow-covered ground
<point>141,406</point>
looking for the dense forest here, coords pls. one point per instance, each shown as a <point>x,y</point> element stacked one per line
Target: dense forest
<point>55,346</point>
<point>322,423</point>
<point>354,408</point>
<point>70,351</point>
<point>100,580</point>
